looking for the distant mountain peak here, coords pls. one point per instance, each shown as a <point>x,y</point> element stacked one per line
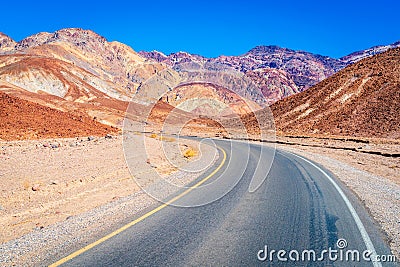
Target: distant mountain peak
<point>69,35</point>
<point>359,55</point>
<point>33,40</point>
<point>159,52</point>
<point>5,36</point>
<point>6,42</point>
<point>260,49</point>
<point>78,33</point>
<point>263,49</point>
<point>154,55</point>
<point>276,71</point>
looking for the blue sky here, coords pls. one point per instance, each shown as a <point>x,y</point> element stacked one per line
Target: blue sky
<point>211,28</point>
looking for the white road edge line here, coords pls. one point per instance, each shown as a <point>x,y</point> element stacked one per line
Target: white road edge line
<point>360,225</point>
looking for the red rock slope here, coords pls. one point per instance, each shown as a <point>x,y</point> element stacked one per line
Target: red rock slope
<point>21,119</point>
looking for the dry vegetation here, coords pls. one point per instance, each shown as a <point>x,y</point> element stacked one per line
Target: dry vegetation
<point>190,153</point>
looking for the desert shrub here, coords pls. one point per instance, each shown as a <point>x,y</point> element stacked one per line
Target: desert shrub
<point>189,153</point>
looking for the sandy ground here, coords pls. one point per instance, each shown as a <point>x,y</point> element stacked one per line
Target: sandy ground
<point>48,181</point>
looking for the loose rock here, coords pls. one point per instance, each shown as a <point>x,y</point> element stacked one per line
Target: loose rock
<point>54,145</point>
<point>74,144</point>
<point>36,187</point>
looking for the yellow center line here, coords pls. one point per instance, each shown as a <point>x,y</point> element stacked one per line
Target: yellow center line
<point>123,228</point>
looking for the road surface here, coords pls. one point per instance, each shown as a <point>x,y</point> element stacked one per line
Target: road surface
<point>299,206</point>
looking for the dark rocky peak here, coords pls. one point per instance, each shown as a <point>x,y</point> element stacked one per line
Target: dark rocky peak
<point>78,35</point>
<point>75,36</point>
<point>33,40</point>
<point>268,49</point>
<point>6,43</point>
<point>154,55</point>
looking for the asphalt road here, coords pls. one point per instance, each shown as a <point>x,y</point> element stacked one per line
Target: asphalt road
<point>298,206</point>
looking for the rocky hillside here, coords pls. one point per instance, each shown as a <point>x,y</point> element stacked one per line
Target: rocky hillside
<point>274,84</point>
<point>278,72</point>
<point>109,61</point>
<point>361,100</point>
<point>208,99</point>
<point>6,43</point>
<point>21,119</point>
<point>77,69</point>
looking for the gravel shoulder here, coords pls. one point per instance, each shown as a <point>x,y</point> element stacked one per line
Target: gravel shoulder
<point>61,194</point>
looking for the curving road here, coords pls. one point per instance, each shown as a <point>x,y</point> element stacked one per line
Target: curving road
<point>299,206</point>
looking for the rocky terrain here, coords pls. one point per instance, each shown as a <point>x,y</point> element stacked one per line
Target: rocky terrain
<point>6,43</point>
<point>21,119</point>
<point>77,71</point>
<point>277,71</point>
<point>208,100</point>
<point>275,84</point>
<point>110,61</point>
<point>360,100</point>
<point>74,69</point>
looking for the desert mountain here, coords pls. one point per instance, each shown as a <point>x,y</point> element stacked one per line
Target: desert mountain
<point>6,43</point>
<point>109,61</point>
<point>74,69</point>
<point>360,100</point>
<point>278,72</point>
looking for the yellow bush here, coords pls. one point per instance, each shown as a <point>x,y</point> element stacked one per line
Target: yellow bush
<point>189,153</point>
